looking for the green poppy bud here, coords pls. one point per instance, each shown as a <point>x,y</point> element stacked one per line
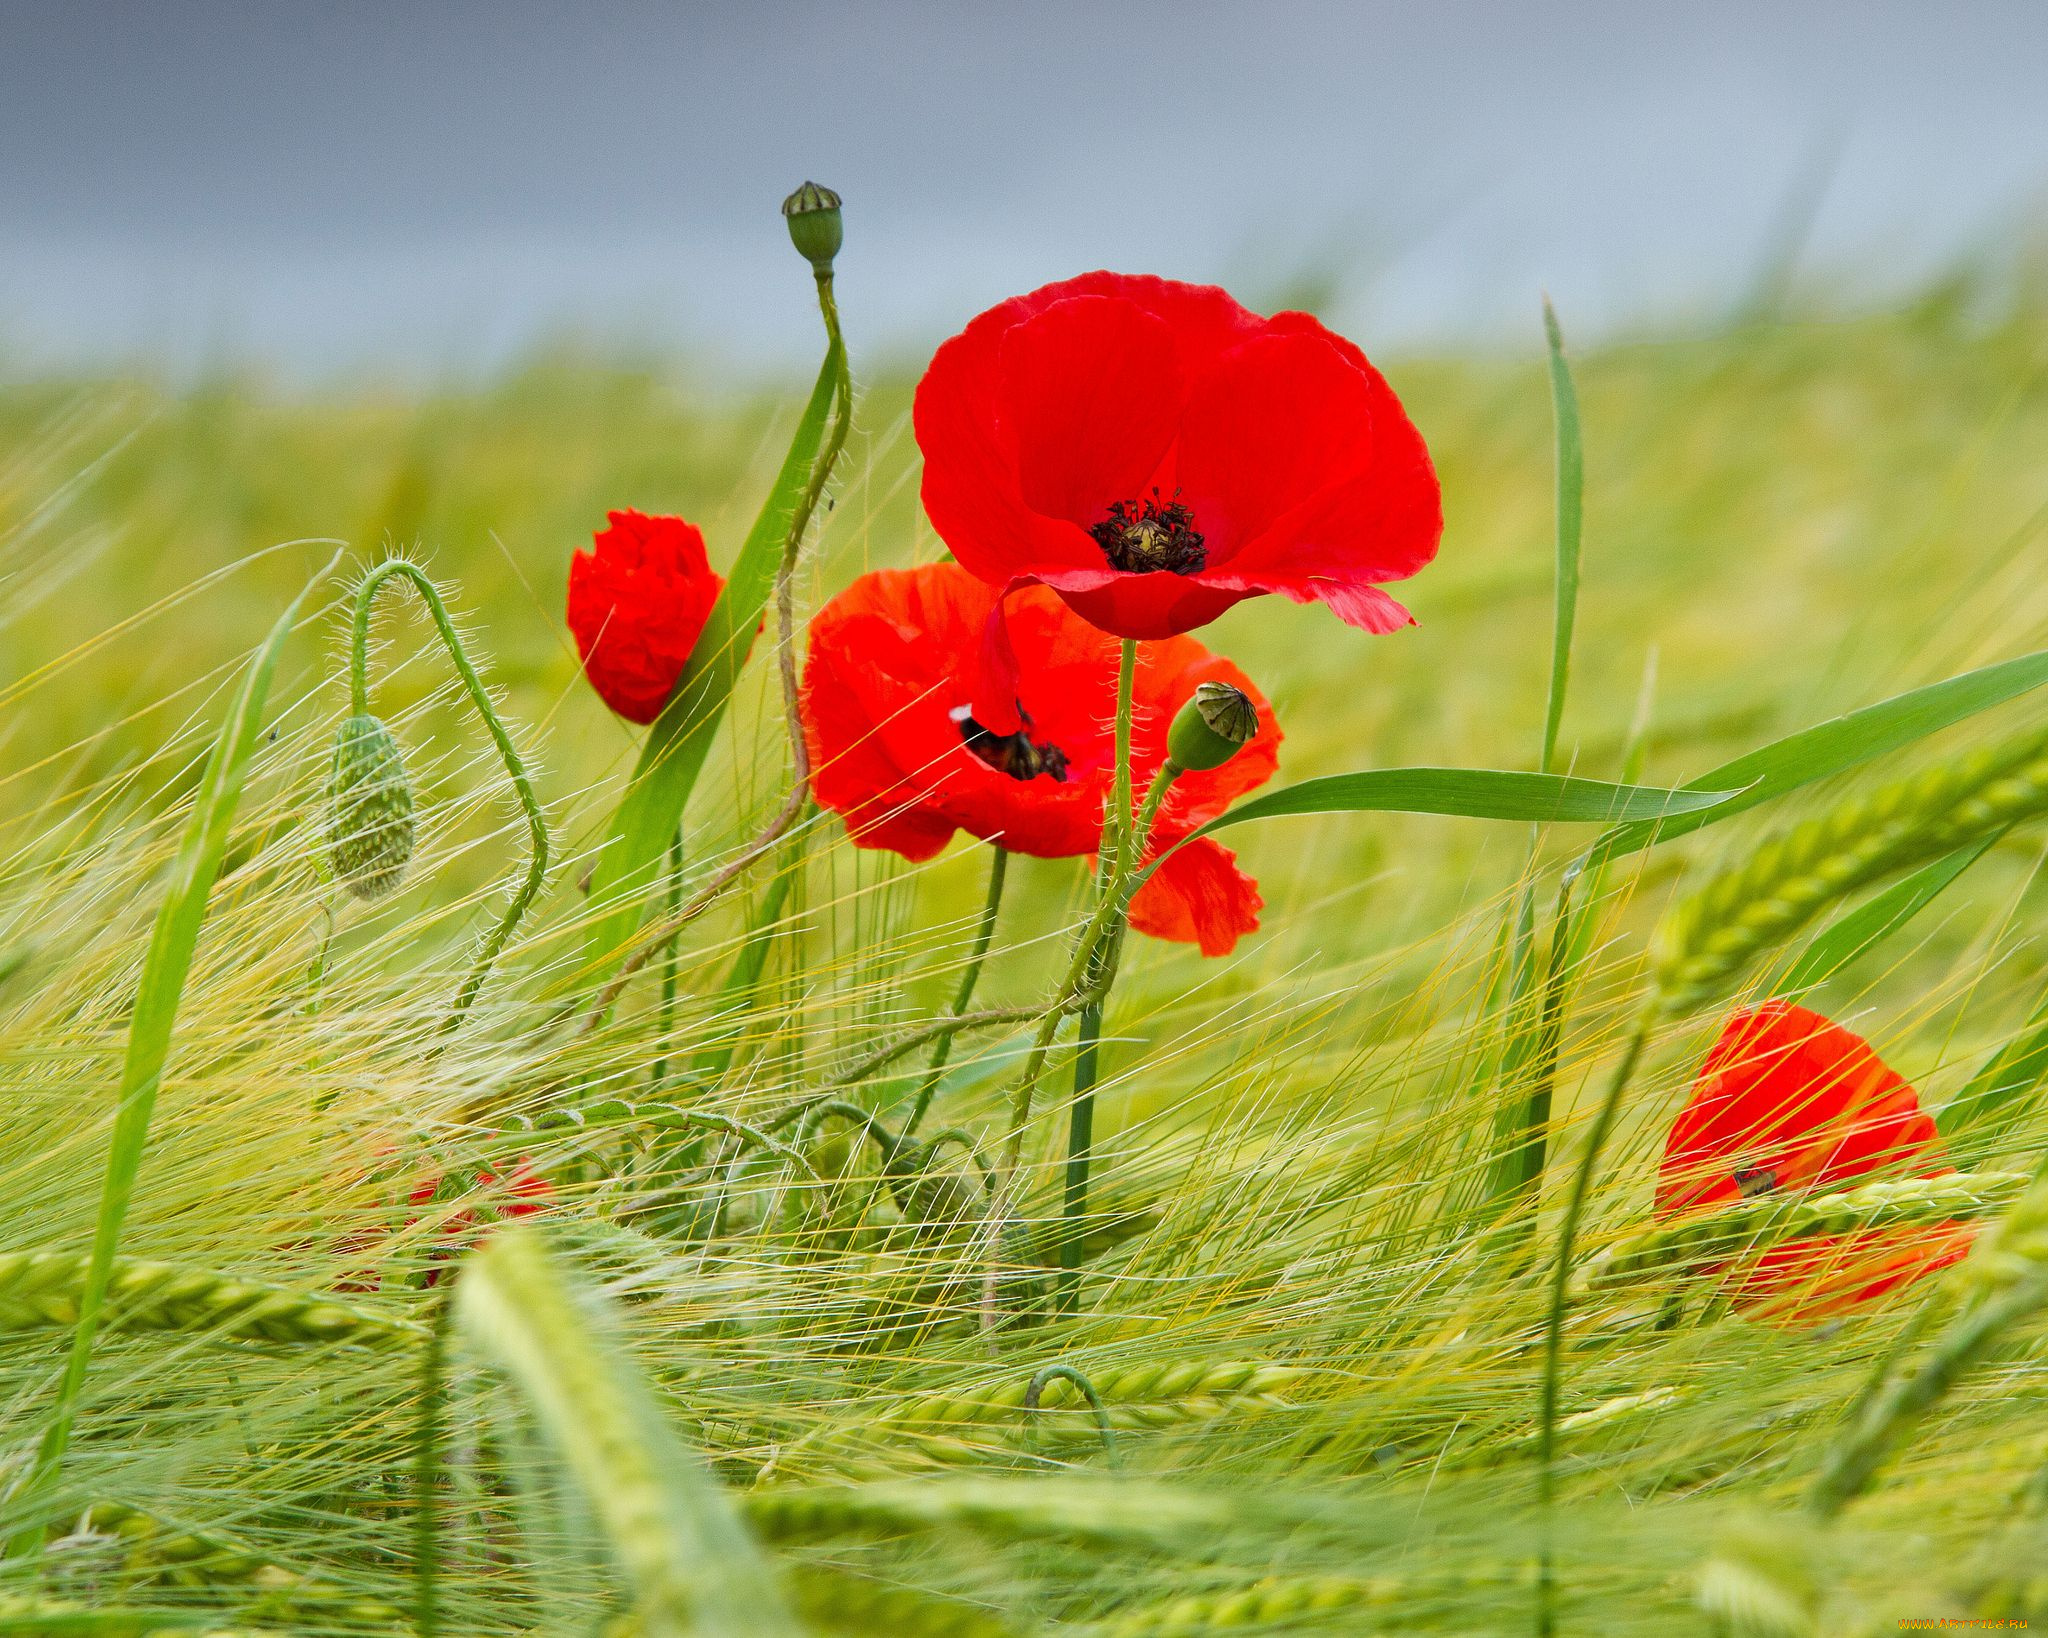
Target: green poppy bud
<point>1217,723</point>
<point>370,824</point>
<point>814,226</point>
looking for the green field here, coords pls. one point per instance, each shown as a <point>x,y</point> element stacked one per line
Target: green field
<point>1320,1351</point>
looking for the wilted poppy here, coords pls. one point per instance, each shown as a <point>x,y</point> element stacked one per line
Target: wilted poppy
<point>888,703</point>
<point>1156,453</point>
<point>1790,1102</point>
<point>638,600</point>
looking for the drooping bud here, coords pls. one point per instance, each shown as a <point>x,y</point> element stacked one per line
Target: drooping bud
<point>370,823</point>
<point>814,226</point>
<point>1217,723</point>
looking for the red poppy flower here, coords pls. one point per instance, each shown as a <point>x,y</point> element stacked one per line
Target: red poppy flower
<point>1789,1101</point>
<point>1156,453</point>
<point>638,600</point>
<point>522,1192</point>
<point>888,704</point>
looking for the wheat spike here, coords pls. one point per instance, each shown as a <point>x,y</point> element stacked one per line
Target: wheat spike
<point>1712,936</point>
<point>1744,1226</point>
<point>39,1288</point>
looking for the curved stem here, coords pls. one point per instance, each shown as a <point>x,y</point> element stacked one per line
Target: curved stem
<point>1066,1373</point>
<point>479,696</point>
<point>1553,1330</point>
<point>983,933</point>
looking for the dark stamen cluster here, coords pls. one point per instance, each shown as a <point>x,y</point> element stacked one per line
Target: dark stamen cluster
<point>1142,536</point>
<point>1017,755</point>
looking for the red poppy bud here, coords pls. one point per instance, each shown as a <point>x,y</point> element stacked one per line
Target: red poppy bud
<point>814,226</point>
<point>1217,722</point>
<point>638,600</point>
<point>370,819</point>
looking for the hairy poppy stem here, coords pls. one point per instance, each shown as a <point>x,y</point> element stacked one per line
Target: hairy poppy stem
<point>479,696</point>
<point>1126,682</point>
<point>662,933</point>
<point>1553,1329</point>
<point>984,932</point>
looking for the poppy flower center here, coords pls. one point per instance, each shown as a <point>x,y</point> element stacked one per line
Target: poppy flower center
<point>1142,536</point>
<point>1018,755</point>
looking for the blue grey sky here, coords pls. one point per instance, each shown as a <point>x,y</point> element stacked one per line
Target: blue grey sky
<point>431,187</point>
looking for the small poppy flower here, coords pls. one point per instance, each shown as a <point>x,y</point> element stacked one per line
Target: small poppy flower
<point>1156,453</point>
<point>638,600</point>
<point>521,1192</point>
<point>889,711</point>
<point>1790,1102</point>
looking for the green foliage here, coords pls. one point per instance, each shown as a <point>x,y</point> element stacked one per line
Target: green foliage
<point>1318,1355</point>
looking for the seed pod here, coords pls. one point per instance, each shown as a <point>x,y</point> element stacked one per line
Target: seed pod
<point>814,225</point>
<point>370,823</point>
<point>1214,725</point>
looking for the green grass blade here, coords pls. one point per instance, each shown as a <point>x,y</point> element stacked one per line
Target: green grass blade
<point>1571,489</point>
<point>1834,747</point>
<point>1474,793</point>
<point>1874,921</point>
<point>2006,1077</point>
<point>692,1565</point>
<point>747,966</point>
<point>681,737</point>
<point>154,1020</point>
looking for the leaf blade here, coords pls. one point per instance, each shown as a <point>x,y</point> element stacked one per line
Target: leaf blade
<point>1875,920</point>
<point>680,739</point>
<point>1473,793</point>
<point>1833,747</point>
<point>1570,502</point>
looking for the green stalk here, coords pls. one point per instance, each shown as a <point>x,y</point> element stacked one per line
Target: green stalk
<point>998,868</point>
<point>1110,899</point>
<point>1553,1327</point>
<point>151,1025</point>
<point>537,828</point>
<point>1080,1144</point>
<point>658,1074</point>
<point>747,966</point>
<point>680,739</point>
<point>1529,1064</point>
<point>430,1436</point>
<point>1126,684</point>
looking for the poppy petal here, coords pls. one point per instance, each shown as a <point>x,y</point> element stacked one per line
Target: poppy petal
<point>1149,605</point>
<point>1199,896</point>
<point>1273,423</point>
<point>1090,397</point>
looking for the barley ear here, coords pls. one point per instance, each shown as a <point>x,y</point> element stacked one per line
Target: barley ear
<point>691,1565</point>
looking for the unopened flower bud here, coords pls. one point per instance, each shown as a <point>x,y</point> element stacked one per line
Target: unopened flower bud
<point>814,226</point>
<point>370,823</point>
<point>1217,723</point>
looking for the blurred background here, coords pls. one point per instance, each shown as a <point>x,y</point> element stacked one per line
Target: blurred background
<point>429,191</point>
<point>458,278</point>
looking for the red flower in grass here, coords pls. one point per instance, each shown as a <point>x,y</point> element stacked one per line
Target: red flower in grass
<point>638,600</point>
<point>1789,1101</point>
<point>1156,453</point>
<point>522,1192</point>
<point>888,703</point>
